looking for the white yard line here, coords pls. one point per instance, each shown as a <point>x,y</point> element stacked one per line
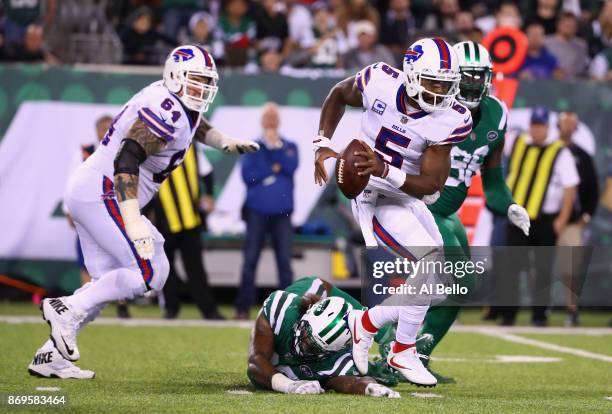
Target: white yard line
<point>485,330</point>
<point>505,333</point>
<point>140,322</point>
<point>547,345</point>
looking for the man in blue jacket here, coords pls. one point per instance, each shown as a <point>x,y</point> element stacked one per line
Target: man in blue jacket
<point>268,175</point>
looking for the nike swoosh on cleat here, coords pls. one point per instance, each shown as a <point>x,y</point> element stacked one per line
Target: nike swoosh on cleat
<point>70,351</point>
<point>355,339</point>
<point>396,365</point>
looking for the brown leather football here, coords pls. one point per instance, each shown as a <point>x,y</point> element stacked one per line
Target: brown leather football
<point>349,182</point>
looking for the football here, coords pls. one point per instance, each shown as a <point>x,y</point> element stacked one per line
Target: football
<point>349,182</point>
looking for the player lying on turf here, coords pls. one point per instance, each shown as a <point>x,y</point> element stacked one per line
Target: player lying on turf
<point>123,251</point>
<point>410,121</point>
<point>484,151</point>
<point>300,344</point>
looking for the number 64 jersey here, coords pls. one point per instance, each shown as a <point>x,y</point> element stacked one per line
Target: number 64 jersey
<point>167,118</point>
<point>399,133</point>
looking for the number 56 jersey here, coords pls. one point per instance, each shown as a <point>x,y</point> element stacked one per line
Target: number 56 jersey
<point>166,117</point>
<point>399,133</point>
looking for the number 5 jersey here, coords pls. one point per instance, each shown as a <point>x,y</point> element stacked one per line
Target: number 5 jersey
<point>398,133</point>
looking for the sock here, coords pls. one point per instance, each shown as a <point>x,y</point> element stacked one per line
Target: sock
<point>382,315</point>
<point>410,320</point>
<point>438,321</point>
<point>399,347</point>
<point>367,323</point>
<point>118,284</point>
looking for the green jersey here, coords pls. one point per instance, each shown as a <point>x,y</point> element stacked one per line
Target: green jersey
<point>468,156</point>
<point>282,311</point>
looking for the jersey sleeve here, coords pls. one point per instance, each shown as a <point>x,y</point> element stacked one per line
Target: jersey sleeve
<point>161,114</point>
<point>500,121</point>
<point>275,308</point>
<point>374,83</point>
<point>461,126</point>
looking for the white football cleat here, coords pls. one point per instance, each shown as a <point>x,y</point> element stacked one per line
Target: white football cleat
<point>50,364</point>
<point>410,366</point>
<point>63,321</point>
<point>362,341</point>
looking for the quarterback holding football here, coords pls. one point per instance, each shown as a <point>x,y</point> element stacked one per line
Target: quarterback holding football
<point>410,122</point>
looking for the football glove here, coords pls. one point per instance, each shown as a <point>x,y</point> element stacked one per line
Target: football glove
<point>229,145</point>
<point>378,390</point>
<point>305,387</point>
<point>519,217</point>
<point>237,146</point>
<point>137,229</point>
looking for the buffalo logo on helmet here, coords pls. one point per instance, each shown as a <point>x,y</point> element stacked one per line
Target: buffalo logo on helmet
<point>414,54</point>
<point>183,55</point>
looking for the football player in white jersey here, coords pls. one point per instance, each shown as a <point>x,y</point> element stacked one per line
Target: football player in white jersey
<point>409,123</point>
<point>123,251</point>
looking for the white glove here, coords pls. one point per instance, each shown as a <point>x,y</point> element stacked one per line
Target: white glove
<point>137,229</point>
<point>229,145</point>
<point>239,146</point>
<point>379,390</point>
<point>519,217</point>
<point>305,387</point>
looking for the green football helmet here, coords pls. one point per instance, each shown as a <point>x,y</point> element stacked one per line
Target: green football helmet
<point>322,330</point>
<point>476,73</point>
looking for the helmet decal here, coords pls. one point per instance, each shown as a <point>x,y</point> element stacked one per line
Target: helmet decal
<point>207,58</point>
<point>445,55</point>
<point>182,55</point>
<point>412,55</point>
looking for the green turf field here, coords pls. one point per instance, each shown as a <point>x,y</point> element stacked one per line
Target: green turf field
<point>202,369</point>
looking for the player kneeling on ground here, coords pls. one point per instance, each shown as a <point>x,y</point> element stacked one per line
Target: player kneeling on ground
<point>301,343</point>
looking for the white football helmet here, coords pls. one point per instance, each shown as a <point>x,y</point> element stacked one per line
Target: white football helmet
<point>183,66</point>
<point>434,60</point>
<point>476,73</point>
<point>323,329</point>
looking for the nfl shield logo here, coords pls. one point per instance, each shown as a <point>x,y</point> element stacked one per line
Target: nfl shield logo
<point>404,120</point>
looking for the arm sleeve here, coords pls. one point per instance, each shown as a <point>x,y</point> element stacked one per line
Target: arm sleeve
<point>497,194</point>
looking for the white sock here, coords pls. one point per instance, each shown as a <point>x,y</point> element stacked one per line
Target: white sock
<point>381,315</point>
<point>118,284</point>
<point>410,320</point>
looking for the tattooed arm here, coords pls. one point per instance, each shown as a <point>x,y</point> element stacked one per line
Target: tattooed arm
<point>208,135</point>
<point>137,145</point>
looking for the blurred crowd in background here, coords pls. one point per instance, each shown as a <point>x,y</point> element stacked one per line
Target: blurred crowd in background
<point>566,38</point>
